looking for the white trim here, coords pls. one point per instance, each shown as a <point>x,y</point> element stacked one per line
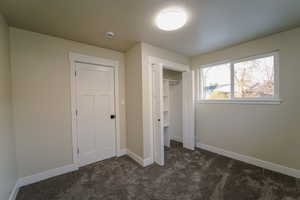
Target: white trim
<point>117,109</point>
<point>198,89</point>
<point>242,101</point>
<point>135,157</point>
<point>147,162</point>
<point>40,177</point>
<point>122,152</point>
<point>139,160</point>
<point>251,160</point>
<point>169,64</point>
<point>45,175</point>
<point>14,192</point>
<point>73,58</point>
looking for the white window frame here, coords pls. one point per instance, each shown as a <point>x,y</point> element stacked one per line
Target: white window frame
<point>255,100</point>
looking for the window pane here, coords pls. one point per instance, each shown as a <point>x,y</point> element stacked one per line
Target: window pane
<point>216,82</point>
<point>254,78</point>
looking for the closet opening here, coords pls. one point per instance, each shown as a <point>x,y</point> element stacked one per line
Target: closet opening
<point>172,104</point>
<point>172,108</point>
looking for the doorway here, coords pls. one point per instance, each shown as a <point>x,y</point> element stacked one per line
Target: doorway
<point>95,119</point>
<point>172,104</point>
<point>173,115</point>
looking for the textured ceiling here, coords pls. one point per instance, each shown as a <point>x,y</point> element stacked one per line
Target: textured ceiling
<point>212,24</point>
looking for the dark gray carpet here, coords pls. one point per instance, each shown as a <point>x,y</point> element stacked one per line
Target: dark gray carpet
<point>187,175</point>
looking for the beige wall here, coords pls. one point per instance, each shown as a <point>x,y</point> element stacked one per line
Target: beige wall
<point>8,170</point>
<point>134,100</point>
<point>267,132</point>
<point>149,50</point>
<point>41,97</point>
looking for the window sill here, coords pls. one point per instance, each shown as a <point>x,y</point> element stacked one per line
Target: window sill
<point>244,101</point>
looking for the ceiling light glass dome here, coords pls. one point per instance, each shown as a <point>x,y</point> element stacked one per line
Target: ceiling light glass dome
<point>171,19</point>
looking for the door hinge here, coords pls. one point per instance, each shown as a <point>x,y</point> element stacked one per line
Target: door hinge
<point>77,150</point>
<point>76,112</point>
<point>75,73</point>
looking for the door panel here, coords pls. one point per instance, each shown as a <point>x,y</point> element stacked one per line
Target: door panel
<point>157,114</point>
<point>85,127</point>
<point>95,105</point>
<point>188,110</point>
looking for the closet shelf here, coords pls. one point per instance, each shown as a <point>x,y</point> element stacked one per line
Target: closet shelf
<point>171,81</point>
<point>166,103</point>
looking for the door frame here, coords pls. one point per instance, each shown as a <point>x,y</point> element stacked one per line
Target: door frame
<point>165,64</point>
<point>80,58</point>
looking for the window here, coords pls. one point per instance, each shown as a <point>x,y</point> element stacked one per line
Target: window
<point>216,82</point>
<point>252,79</point>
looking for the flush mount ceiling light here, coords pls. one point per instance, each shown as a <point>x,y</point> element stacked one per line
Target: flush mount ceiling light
<point>171,19</point>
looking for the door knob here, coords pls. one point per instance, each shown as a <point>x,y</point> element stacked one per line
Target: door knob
<point>158,120</point>
<point>112,116</point>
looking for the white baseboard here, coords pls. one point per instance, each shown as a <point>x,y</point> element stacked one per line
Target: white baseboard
<point>135,157</point>
<point>147,161</point>
<point>139,160</point>
<point>65,169</point>
<point>14,192</point>
<point>251,160</point>
<point>45,175</point>
<point>122,152</point>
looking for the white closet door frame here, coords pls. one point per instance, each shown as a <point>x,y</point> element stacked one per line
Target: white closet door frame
<point>79,58</point>
<point>167,65</point>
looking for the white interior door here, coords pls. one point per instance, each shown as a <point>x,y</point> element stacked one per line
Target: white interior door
<point>95,113</point>
<point>188,111</point>
<point>157,114</point>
